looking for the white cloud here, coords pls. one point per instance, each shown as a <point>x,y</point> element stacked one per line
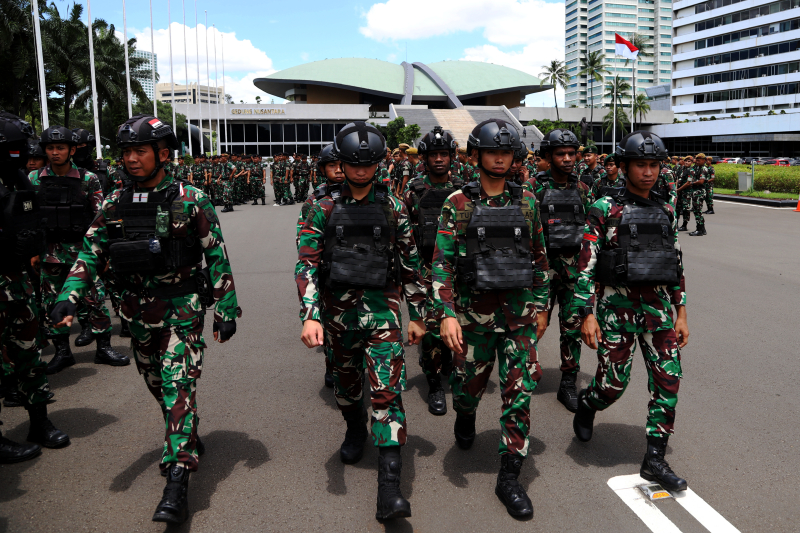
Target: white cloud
<point>243,61</point>
<point>504,22</point>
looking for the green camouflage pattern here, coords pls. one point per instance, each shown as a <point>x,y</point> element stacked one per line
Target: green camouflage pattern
<point>697,191</point>
<point>300,175</point>
<point>709,186</point>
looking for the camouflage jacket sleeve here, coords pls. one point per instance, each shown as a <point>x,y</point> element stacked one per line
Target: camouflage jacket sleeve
<point>445,256</point>
<point>309,258</point>
<point>95,192</point>
<point>216,255</point>
<point>410,263</point>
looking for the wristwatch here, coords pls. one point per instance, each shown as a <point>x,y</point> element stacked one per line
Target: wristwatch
<point>583,312</point>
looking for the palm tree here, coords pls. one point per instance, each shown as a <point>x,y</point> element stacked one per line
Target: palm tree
<point>592,67</point>
<point>640,106</point>
<point>642,42</point>
<point>556,75</point>
<point>622,120</point>
<point>618,87</point>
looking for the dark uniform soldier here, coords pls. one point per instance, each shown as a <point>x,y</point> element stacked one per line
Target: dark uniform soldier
<point>631,251</point>
<point>590,169</point>
<point>154,235</point>
<point>21,240</point>
<point>357,252</point>
<point>564,201</point>
<point>301,173</point>
<point>712,175</point>
<point>424,198</point>
<point>696,180</point>
<point>684,202</point>
<point>490,287</point>
<point>611,181</point>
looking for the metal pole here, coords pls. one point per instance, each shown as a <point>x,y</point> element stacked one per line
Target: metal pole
<point>199,101</point>
<point>97,141</point>
<point>224,99</point>
<point>614,128</point>
<point>216,87</point>
<point>171,75</point>
<point>127,65</point>
<point>633,100</point>
<point>42,89</point>
<point>186,72</point>
<point>208,84</point>
<point>153,60</point>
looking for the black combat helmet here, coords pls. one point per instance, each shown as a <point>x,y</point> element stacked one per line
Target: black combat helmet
<point>641,145</point>
<point>146,129</point>
<point>437,139</point>
<point>359,143</point>
<point>83,154</point>
<point>521,153</point>
<point>35,150</point>
<point>14,134</point>
<point>559,138</point>
<point>58,134</point>
<point>493,134</point>
<point>326,156</point>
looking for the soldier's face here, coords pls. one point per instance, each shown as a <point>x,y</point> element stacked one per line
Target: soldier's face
<point>360,174</point>
<point>59,153</point>
<point>35,163</point>
<point>563,159</point>
<point>438,162</point>
<point>141,160</point>
<point>590,159</point>
<point>396,157</point>
<point>611,170</point>
<point>498,161</point>
<point>701,160</point>
<point>642,173</point>
<point>333,172</point>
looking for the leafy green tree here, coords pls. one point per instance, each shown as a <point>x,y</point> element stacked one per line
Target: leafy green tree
<point>622,121</point>
<point>592,67</point>
<point>641,107</point>
<point>618,87</point>
<point>546,126</point>
<point>556,75</point>
<point>393,130</point>
<point>408,134</point>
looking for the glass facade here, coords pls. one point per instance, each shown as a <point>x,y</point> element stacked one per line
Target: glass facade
<point>268,139</point>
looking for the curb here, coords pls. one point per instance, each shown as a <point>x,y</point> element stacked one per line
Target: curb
<point>756,201</point>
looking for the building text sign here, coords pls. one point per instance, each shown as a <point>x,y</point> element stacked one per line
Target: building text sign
<point>258,112</point>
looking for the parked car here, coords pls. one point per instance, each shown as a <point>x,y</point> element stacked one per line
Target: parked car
<point>794,163</point>
<point>713,159</point>
<point>747,160</point>
<point>764,160</point>
<point>782,163</point>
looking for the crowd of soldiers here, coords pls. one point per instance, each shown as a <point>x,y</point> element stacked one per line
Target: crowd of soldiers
<point>75,230</point>
<point>482,243</point>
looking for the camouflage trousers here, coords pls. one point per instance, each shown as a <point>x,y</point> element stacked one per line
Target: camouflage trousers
<point>21,340</point>
<point>519,373</point>
<point>257,188</point>
<point>380,353</point>
<point>281,190</point>
<point>709,198</point>
<point>684,204</point>
<point>300,189</point>
<point>171,359</point>
<point>698,195</point>
<point>569,323</point>
<point>663,361</point>
<point>434,355</point>
<point>91,310</point>
<point>227,192</point>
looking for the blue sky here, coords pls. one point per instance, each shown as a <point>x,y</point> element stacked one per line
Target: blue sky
<point>258,40</point>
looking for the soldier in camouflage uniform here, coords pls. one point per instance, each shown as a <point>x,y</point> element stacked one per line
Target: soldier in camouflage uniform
<point>632,305</point>
<point>695,183</point>
<point>665,185</point>
<point>709,187</point>
<point>684,199</point>
<point>225,181</point>
<point>64,187</point>
<point>612,180</point>
<point>590,169</point>
<point>162,303</point>
<point>258,177</point>
<point>278,178</point>
<point>490,288</point>
<point>564,201</point>
<point>301,173</point>
<point>519,171</point>
<point>21,240</point>
<point>423,199</point>
<point>349,281</point>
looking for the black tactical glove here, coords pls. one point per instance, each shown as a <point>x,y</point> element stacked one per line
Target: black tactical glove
<point>225,329</point>
<point>61,310</point>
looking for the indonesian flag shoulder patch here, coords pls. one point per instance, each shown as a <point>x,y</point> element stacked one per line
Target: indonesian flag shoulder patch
<point>155,123</point>
<point>140,197</point>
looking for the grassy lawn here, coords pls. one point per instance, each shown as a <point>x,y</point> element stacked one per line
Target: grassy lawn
<point>758,194</point>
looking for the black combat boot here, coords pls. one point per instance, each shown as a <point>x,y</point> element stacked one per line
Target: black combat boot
<point>230,207</point>
<point>124,329</point>
<point>583,422</point>
<point>63,357</point>
<point>699,232</point>
<point>328,379</point>
<point>13,452</point>
<point>42,430</point>
<point>255,201</point>
<point>437,403</point>
<point>106,355</point>
<point>263,201</point>
<point>174,505</point>
<point>85,337</point>
<point>464,430</point>
<point>10,393</point>
<point>391,503</point>
<point>710,211</point>
<point>567,392</point>
<point>509,490</point>
<point>655,467</point>
<point>685,224</point>
<point>352,448</point>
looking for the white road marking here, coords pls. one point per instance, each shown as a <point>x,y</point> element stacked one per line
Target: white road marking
<point>752,205</point>
<point>627,489</point>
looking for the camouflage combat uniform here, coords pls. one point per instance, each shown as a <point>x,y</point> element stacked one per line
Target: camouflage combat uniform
<point>363,326</point>
<point>495,324</point>
<point>684,197</point>
<point>697,191</point>
<point>604,182</point>
<point>666,182</point>
<point>626,314</point>
<point>167,333</point>
<point>257,181</point>
<point>280,183</point>
<point>709,186</point>
<point>300,176</point>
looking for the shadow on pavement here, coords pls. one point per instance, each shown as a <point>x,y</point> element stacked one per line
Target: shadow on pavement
<point>12,477</point>
<point>327,396</point>
<point>482,458</point>
<point>69,377</point>
<point>415,446</point>
<point>611,445</point>
<point>78,423</point>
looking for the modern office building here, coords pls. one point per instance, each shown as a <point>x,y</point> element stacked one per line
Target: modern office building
<point>590,27</point>
<point>144,73</point>
<point>191,93</point>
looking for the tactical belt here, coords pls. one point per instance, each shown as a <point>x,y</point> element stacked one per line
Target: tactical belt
<point>164,292</point>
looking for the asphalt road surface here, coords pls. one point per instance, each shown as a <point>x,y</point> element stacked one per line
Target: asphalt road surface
<point>272,431</point>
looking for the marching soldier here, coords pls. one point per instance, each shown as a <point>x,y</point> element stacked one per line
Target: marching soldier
<point>631,250</point>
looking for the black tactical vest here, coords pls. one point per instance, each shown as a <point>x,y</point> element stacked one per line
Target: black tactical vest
<point>144,222</point>
<point>20,236</point>
<point>429,207</point>
<point>359,244</point>
<point>563,219</point>
<point>102,174</point>
<point>646,254</point>
<point>66,205</point>
<point>498,244</point>
<point>607,188</point>
<point>588,178</point>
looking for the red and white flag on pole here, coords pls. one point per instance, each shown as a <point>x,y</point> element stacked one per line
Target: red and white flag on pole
<point>625,48</point>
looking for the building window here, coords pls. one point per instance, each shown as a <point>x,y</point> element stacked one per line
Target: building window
<point>747,14</point>
<point>743,35</point>
<point>748,73</point>
<point>622,15</point>
<point>594,9</point>
<point>750,92</point>
<point>621,24</point>
<point>749,53</point>
<point>596,17</point>
<point>666,54</point>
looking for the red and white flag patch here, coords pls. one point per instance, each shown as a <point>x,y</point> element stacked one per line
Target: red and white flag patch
<point>156,123</point>
<point>140,197</point>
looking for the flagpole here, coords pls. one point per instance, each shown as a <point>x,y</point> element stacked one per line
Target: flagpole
<point>224,99</point>
<point>153,60</point>
<point>216,87</point>
<point>127,65</point>
<point>633,100</point>
<point>97,142</point>
<point>171,74</point>
<point>186,73</point>
<point>614,120</point>
<point>199,99</point>
<point>208,80</point>
<point>40,60</point>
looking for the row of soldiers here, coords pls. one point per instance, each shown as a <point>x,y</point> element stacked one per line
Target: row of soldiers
<point>68,236</point>
<point>481,262</point>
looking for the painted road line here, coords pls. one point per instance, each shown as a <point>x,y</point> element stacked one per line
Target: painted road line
<point>752,205</point>
<point>704,513</point>
<point>627,488</point>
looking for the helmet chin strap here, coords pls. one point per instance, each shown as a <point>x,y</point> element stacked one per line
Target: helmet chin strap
<point>492,174</point>
<point>359,185</point>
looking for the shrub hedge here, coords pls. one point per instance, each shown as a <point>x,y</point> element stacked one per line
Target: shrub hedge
<point>768,178</point>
